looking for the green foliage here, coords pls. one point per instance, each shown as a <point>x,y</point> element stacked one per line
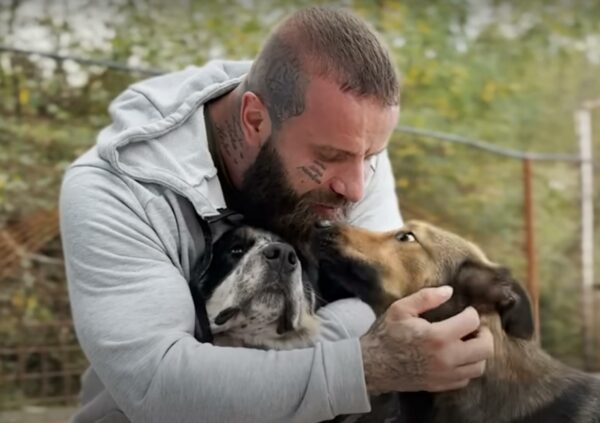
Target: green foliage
<point>508,72</point>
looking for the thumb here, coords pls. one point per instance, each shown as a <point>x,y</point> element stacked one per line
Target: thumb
<point>420,302</point>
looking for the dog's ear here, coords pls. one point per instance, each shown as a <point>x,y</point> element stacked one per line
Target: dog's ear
<point>517,320</point>
<point>488,289</point>
<point>491,289</point>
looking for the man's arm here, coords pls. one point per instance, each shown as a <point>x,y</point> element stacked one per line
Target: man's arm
<point>343,319</point>
<point>403,352</point>
<point>134,318</point>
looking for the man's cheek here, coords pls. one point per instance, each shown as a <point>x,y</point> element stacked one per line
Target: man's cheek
<point>312,172</point>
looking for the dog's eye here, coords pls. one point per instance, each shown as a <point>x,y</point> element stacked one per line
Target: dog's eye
<point>237,252</point>
<point>406,237</point>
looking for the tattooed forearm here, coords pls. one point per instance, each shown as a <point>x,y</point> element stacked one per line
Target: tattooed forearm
<point>398,362</point>
<point>408,362</point>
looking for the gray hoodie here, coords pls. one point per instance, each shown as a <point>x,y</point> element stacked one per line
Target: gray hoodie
<point>129,225</point>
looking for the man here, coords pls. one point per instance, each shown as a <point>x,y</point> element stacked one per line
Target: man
<point>299,135</point>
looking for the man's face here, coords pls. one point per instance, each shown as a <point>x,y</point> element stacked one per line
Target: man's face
<point>271,201</point>
<point>315,166</point>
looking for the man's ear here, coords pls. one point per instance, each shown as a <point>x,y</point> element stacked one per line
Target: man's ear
<point>254,119</point>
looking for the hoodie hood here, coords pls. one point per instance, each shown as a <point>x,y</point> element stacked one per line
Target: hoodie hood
<point>148,141</point>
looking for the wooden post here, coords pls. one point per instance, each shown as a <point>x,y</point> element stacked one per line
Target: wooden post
<point>532,267</point>
<point>583,122</point>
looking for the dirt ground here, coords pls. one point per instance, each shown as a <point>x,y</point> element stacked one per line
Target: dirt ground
<point>34,414</point>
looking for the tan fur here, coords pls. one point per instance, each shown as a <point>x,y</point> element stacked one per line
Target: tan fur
<point>408,267</point>
<point>519,379</point>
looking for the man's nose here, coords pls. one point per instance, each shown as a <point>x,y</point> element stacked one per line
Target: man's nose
<point>351,183</point>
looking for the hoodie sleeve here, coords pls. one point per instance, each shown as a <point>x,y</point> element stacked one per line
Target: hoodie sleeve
<point>134,316</point>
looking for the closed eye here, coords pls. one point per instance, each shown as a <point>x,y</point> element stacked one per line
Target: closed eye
<point>332,155</point>
<point>406,237</point>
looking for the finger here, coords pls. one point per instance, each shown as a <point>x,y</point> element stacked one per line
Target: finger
<point>470,371</point>
<point>457,326</point>
<point>419,302</point>
<point>461,373</point>
<point>476,349</point>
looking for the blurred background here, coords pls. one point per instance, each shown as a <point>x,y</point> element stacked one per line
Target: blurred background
<point>498,98</point>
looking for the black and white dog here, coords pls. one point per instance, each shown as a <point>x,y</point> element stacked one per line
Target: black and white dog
<point>257,293</point>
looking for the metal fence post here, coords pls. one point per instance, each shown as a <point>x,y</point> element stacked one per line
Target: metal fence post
<point>532,265</point>
<point>583,122</point>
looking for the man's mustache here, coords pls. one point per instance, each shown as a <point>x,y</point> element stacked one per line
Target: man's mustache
<point>327,198</point>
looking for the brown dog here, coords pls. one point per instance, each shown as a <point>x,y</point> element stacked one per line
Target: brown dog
<point>522,384</point>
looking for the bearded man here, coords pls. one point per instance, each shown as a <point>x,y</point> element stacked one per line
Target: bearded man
<point>299,134</point>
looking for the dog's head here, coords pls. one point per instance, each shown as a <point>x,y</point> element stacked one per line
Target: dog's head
<point>380,267</point>
<point>255,293</point>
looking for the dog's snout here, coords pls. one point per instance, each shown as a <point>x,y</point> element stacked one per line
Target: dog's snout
<point>281,256</point>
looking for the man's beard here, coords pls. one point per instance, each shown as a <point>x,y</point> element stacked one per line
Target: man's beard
<point>269,201</point>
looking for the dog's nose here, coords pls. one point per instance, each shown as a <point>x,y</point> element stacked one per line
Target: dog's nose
<point>281,256</point>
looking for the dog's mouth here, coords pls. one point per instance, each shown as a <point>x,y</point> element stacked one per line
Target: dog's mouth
<point>283,289</point>
<point>289,313</point>
<point>270,316</point>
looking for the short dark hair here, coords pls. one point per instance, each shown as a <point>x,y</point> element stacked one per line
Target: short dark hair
<point>327,42</point>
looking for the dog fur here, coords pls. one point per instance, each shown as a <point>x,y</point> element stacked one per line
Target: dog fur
<point>521,384</point>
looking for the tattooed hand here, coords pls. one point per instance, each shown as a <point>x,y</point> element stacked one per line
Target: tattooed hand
<point>403,352</point>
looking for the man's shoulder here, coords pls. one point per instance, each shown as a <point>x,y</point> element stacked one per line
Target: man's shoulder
<point>91,182</point>
<point>90,171</point>
<point>89,161</point>
<point>93,178</point>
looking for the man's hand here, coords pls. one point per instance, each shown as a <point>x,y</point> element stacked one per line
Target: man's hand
<point>403,352</point>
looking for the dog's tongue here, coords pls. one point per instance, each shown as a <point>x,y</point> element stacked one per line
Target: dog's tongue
<point>286,321</point>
